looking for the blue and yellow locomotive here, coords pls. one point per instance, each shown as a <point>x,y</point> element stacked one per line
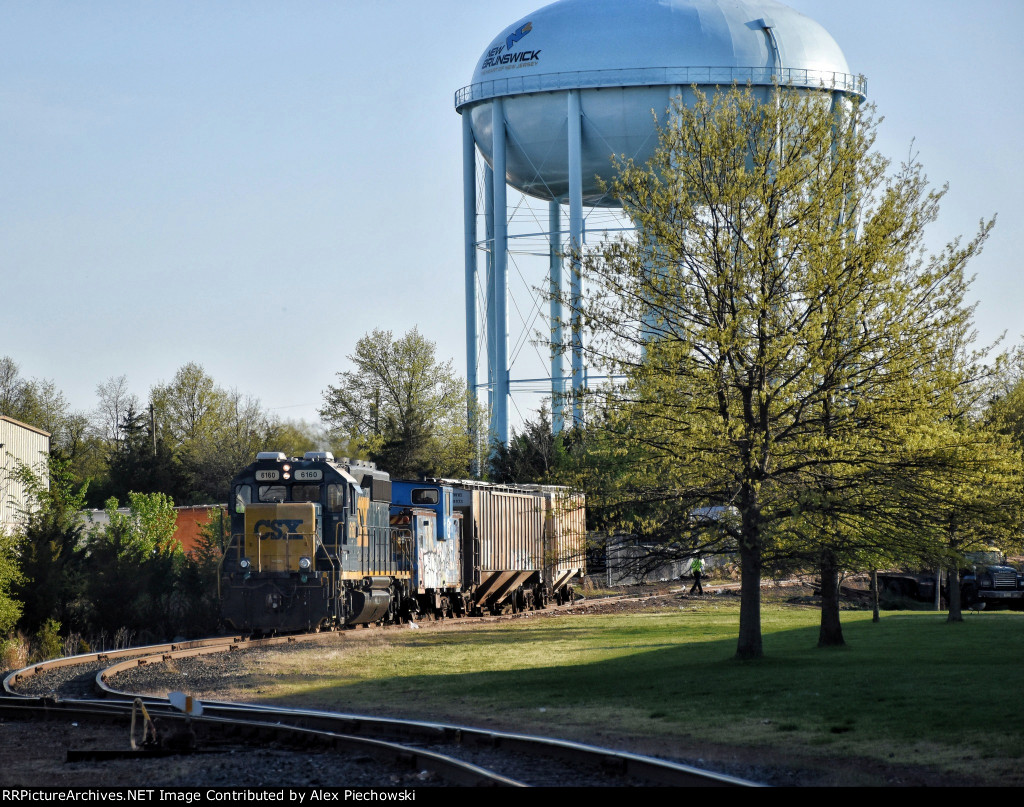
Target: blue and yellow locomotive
<point>312,546</point>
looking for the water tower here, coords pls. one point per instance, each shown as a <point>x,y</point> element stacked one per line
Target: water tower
<point>559,92</point>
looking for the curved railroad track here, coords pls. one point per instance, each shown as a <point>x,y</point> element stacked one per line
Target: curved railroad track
<point>66,690</point>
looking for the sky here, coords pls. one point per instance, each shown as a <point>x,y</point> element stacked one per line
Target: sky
<point>253,186</point>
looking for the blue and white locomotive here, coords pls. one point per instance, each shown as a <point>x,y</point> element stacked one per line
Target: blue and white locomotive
<point>422,513</point>
<point>318,543</point>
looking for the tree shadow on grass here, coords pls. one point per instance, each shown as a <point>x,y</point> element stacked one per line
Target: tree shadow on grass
<point>908,680</point>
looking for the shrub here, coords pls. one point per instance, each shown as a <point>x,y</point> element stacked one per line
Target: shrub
<point>47,643</point>
<point>14,653</point>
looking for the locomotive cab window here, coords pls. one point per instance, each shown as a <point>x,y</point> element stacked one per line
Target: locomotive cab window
<point>273,493</point>
<point>305,493</point>
<point>424,496</point>
<point>242,497</point>
<point>335,498</point>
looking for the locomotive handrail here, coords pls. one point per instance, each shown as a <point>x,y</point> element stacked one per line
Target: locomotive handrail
<point>334,571</point>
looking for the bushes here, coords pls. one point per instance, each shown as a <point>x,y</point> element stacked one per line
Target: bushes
<point>47,643</point>
<point>127,577</point>
<point>13,653</point>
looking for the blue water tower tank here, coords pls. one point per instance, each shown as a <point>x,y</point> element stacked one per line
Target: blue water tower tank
<point>559,92</point>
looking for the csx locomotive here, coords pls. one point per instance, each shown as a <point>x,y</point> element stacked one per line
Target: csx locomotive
<point>318,543</point>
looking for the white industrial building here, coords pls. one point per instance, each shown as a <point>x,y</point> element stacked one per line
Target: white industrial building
<point>25,445</point>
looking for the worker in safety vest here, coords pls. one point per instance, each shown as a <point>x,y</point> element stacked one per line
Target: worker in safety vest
<point>697,568</point>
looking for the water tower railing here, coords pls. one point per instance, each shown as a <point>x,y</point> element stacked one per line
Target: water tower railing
<point>659,76</point>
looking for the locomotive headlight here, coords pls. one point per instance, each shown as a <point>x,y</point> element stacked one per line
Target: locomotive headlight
<point>305,563</point>
<point>244,563</point>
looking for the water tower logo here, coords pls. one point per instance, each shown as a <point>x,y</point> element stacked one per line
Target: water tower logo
<point>518,34</point>
<point>502,57</point>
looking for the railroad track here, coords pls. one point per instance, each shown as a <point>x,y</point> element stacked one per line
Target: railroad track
<point>450,754</point>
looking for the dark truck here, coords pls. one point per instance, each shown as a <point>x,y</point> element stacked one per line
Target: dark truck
<point>990,580</point>
<point>986,580</point>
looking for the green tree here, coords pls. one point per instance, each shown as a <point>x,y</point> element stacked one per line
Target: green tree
<point>1005,405</point>
<point>296,437</point>
<point>141,464</point>
<point>530,455</point>
<point>47,642</point>
<point>402,407</point>
<point>50,545</point>
<point>245,429</point>
<point>535,454</point>
<point>210,431</point>
<point>189,413</point>
<point>134,565</point>
<point>776,326</point>
<point>974,489</point>
<point>41,404</point>
<point>10,577</point>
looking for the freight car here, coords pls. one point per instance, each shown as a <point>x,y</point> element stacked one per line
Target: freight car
<point>318,543</point>
<point>423,518</point>
<point>523,543</point>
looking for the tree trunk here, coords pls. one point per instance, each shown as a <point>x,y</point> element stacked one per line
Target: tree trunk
<point>875,617</point>
<point>831,632</point>
<point>749,644</point>
<point>953,596</point>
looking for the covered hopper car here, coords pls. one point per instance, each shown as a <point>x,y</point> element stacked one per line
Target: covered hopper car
<point>318,543</point>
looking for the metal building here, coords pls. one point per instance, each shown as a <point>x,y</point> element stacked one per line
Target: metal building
<point>559,92</point>
<point>29,446</point>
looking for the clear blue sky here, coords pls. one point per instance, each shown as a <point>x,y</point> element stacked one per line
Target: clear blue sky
<point>255,185</point>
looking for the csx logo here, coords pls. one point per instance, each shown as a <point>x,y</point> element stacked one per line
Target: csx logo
<point>279,529</point>
<point>517,34</point>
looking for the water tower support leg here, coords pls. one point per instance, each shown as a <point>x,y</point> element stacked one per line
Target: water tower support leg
<point>469,254</point>
<point>489,310</point>
<point>500,411</point>
<point>575,245</point>
<point>557,359</point>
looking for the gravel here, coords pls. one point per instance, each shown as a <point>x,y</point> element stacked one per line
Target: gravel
<point>34,755</point>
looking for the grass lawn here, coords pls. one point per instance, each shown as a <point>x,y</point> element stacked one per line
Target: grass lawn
<point>909,691</point>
